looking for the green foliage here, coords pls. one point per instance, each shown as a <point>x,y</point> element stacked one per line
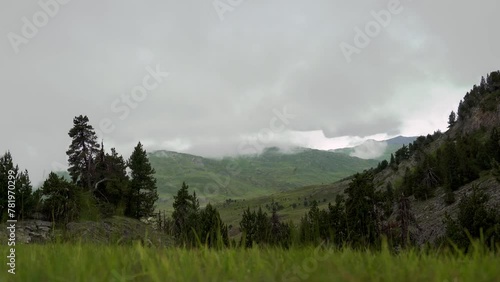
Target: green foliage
<point>106,189</point>
<point>249,176</point>
<point>61,199</point>
<point>143,192</point>
<point>192,226</point>
<point>82,152</point>
<point>474,220</point>
<point>452,119</point>
<point>248,228</point>
<point>6,165</point>
<point>90,208</point>
<point>26,203</point>
<point>212,230</point>
<point>455,163</point>
<point>79,262</point>
<point>186,209</point>
<point>113,186</point>
<point>280,232</point>
<point>485,95</point>
<point>354,220</point>
<point>392,162</point>
<point>361,215</point>
<point>260,229</point>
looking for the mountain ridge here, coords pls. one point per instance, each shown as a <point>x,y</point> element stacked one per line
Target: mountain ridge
<point>434,172</point>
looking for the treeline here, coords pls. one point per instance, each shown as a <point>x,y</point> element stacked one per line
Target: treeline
<point>363,218</point>
<point>365,215</point>
<point>457,161</point>
<point>475,97</point>
<point>474,220</point>
<point>356,220</point>
<point>454,164</point>
<point>100,184</point>
<point>191,226</point>
<point>26,200</point>
<point>404,153</point>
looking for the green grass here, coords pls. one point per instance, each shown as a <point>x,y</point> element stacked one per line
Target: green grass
<point>64,262</point>
<point>231,212</point>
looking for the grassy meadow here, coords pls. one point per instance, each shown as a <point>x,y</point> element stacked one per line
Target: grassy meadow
<point>245,177</point>
<point>231,212</point>
<point>77,262</point>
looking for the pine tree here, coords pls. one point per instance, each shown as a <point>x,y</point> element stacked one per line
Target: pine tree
<point>406,219</point>
<point>461,110</point>
<point>360,210</point>
<point>23,189</point>
<point>143,191</point>
<point>113,185</point>
<point>305,227</point>
<point>248,228</point>
<point>263,225</point>
<point>452,119</point>
<point>213,232</point>
<point>337,219</point>
<point>279,232</point>
<point>61,199</point>
<point>474,219</point>
<point>6,164</point>
<point>315,219</point>
<point>392,163</point>
<point>184,216</point>
<point>82,153</point>
<point>24,197</point>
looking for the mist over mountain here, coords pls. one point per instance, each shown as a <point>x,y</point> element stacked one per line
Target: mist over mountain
<point>250,175</point>
<point>376,150</point>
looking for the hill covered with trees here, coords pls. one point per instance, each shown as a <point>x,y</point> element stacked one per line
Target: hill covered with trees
<point>443,185</point>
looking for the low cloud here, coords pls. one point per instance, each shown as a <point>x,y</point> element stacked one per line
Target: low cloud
<point>226,77</point>
<point>370,149</point>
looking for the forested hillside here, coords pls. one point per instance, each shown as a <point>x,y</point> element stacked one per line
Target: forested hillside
<point>435,187</point>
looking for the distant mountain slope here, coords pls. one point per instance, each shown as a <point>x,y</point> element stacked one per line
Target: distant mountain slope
<point>436,171</point>
<point>376,150</point>
<point>249,176</point>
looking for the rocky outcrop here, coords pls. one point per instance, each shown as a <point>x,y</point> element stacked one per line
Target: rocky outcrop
<point>30,231</point>
<point>115,230</point>
<point>430,214</point>
<point>477,120</point>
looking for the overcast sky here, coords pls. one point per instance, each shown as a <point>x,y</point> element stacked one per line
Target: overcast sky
<point>236,68</point>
